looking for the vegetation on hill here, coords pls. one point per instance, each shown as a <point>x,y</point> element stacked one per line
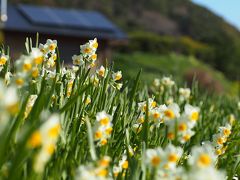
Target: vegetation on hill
<point>182,68</point>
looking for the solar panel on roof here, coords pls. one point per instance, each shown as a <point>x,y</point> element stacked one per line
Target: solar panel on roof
<point>66,18</point>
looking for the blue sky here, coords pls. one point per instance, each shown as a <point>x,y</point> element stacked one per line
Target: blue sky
<point>228,9</point>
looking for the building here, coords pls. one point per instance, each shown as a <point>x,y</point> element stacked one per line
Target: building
<point>70,27</point>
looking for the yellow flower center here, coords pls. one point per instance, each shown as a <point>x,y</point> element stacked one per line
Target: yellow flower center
<point>101,72</point>
<point>50,149</point>
<point>103,142</point>
<point>104,162</point>
<point>195,116</point>
<point>38,60</point>
<point>27,66</point>
<point>226,132</point>
<point>104,121</point>
<point>186,137</point>
<point>218,152</point>
<point>172,157</point>
<point>125,165</point>
<point>19,81</point>
<point>155,161</point>
<point>170,136</point>
<point>94,57</point>
<point>92,65</point>
<point>87,50</point>
<point>141,120</point>
<point>115,174</point>
<point>102,173</point>
<point>204,160</point>
<point>169,113</point>
<point>118,77</point>
<point>3,60</point>
<point>88,100</point>
<point>156,115</point>
<point>182,127</point>
<point>95,45</point>
<point>54,57</point>
<point>98,135</point>
<point>154,104</point>
<point>54,131</point>
<point>109,130</point>
<point>35,140</point>
<point>35,73</point>
<point>52,46</point>
<point>220,140</point>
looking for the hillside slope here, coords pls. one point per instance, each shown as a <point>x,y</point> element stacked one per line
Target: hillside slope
<point>182,68</point>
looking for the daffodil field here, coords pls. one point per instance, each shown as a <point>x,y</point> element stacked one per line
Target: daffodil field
<point>87,122</point>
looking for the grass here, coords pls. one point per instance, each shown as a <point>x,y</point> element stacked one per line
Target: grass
<point>155,65</point>
<point>77,124</point>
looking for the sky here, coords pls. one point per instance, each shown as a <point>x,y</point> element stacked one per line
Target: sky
<point>228,9</point>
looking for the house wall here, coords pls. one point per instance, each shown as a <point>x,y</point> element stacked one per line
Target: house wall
<point>68,46</point>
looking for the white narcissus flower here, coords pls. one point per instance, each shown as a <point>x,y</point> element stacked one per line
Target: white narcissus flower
<point>117,76</point>
<point>90,172</point>
<point>225,130</point>
<point>206,174</point>
<point>137,127</point>
<point>186,136</point>
<point>116,170</point>
<point>51,128</point>
<point>50,62</point>
<point>20,79</point>
<point>78,60</point>
<point>155,115</point>
<point>52,44</point>
<point>232,119</point>
<point>156,82</point>
<point>184,93</point>
<point>104,161</point>
<point>170,112</point>
<point>88,100</point>
<point>93,44</point>
<point>202,157</point>
<point>192,113</point>
<point>173,154</point>
<point>167,81</point>
<point>86,50</point>
<point>169,100</point>
<point>155,157</point>
<point>9,103</point>
<point>27,64</point>
<point>103,128</point>
<point>103,118</point>
<point>123,163</point>
<point>119,86</point>
<point>11,100</point>
<point>3,59</point>
<point>101,71</point>
<point>46,137</point>
<point>142,106</point>
<point>219,140</point>
<point>37,56</point>
<point>43,48</point>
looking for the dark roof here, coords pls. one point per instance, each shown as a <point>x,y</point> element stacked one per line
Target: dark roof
<point>59,21</point>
